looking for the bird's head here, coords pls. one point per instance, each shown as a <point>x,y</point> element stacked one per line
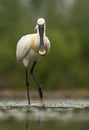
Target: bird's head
<point>40,23</point>
<point>41,30</point>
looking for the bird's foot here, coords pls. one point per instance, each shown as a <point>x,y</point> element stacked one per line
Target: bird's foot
<point>43,106</point>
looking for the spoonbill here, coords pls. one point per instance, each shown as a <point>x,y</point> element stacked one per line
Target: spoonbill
<point>33,47</point>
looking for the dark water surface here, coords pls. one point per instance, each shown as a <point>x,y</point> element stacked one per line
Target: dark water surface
<point>58,115</point>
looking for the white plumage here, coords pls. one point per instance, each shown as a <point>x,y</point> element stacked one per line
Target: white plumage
<point>33,47</point>
<point>28,47</point>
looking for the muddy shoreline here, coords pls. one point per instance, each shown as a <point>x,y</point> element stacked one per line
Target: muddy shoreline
<point>47,94</point>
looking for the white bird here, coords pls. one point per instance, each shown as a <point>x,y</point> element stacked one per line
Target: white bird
<point>33,47</point>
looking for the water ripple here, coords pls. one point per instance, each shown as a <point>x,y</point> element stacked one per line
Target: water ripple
<point>64,110</point>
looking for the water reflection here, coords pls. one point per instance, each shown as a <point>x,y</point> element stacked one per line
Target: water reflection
<point>56,119</point>
<point>38,120</point>
<point>19,116</point>
<point>27,119</point>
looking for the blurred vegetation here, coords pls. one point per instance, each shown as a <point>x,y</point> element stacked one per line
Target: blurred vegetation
<point>67,65</point>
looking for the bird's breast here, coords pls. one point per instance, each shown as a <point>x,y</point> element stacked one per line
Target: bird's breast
<point>35,43</point>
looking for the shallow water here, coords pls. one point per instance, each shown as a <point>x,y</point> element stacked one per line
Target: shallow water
<point>58,115</point>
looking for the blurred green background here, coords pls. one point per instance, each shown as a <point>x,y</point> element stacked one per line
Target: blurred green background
<point>67,65</point>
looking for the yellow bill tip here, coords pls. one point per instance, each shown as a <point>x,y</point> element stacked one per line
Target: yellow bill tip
<point>42,52</point>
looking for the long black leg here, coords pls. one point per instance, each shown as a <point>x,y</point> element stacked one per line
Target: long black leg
<point>27,85</point>
<point>37,81</point>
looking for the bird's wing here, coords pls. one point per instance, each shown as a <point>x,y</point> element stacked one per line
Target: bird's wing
<point>23,47</point>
